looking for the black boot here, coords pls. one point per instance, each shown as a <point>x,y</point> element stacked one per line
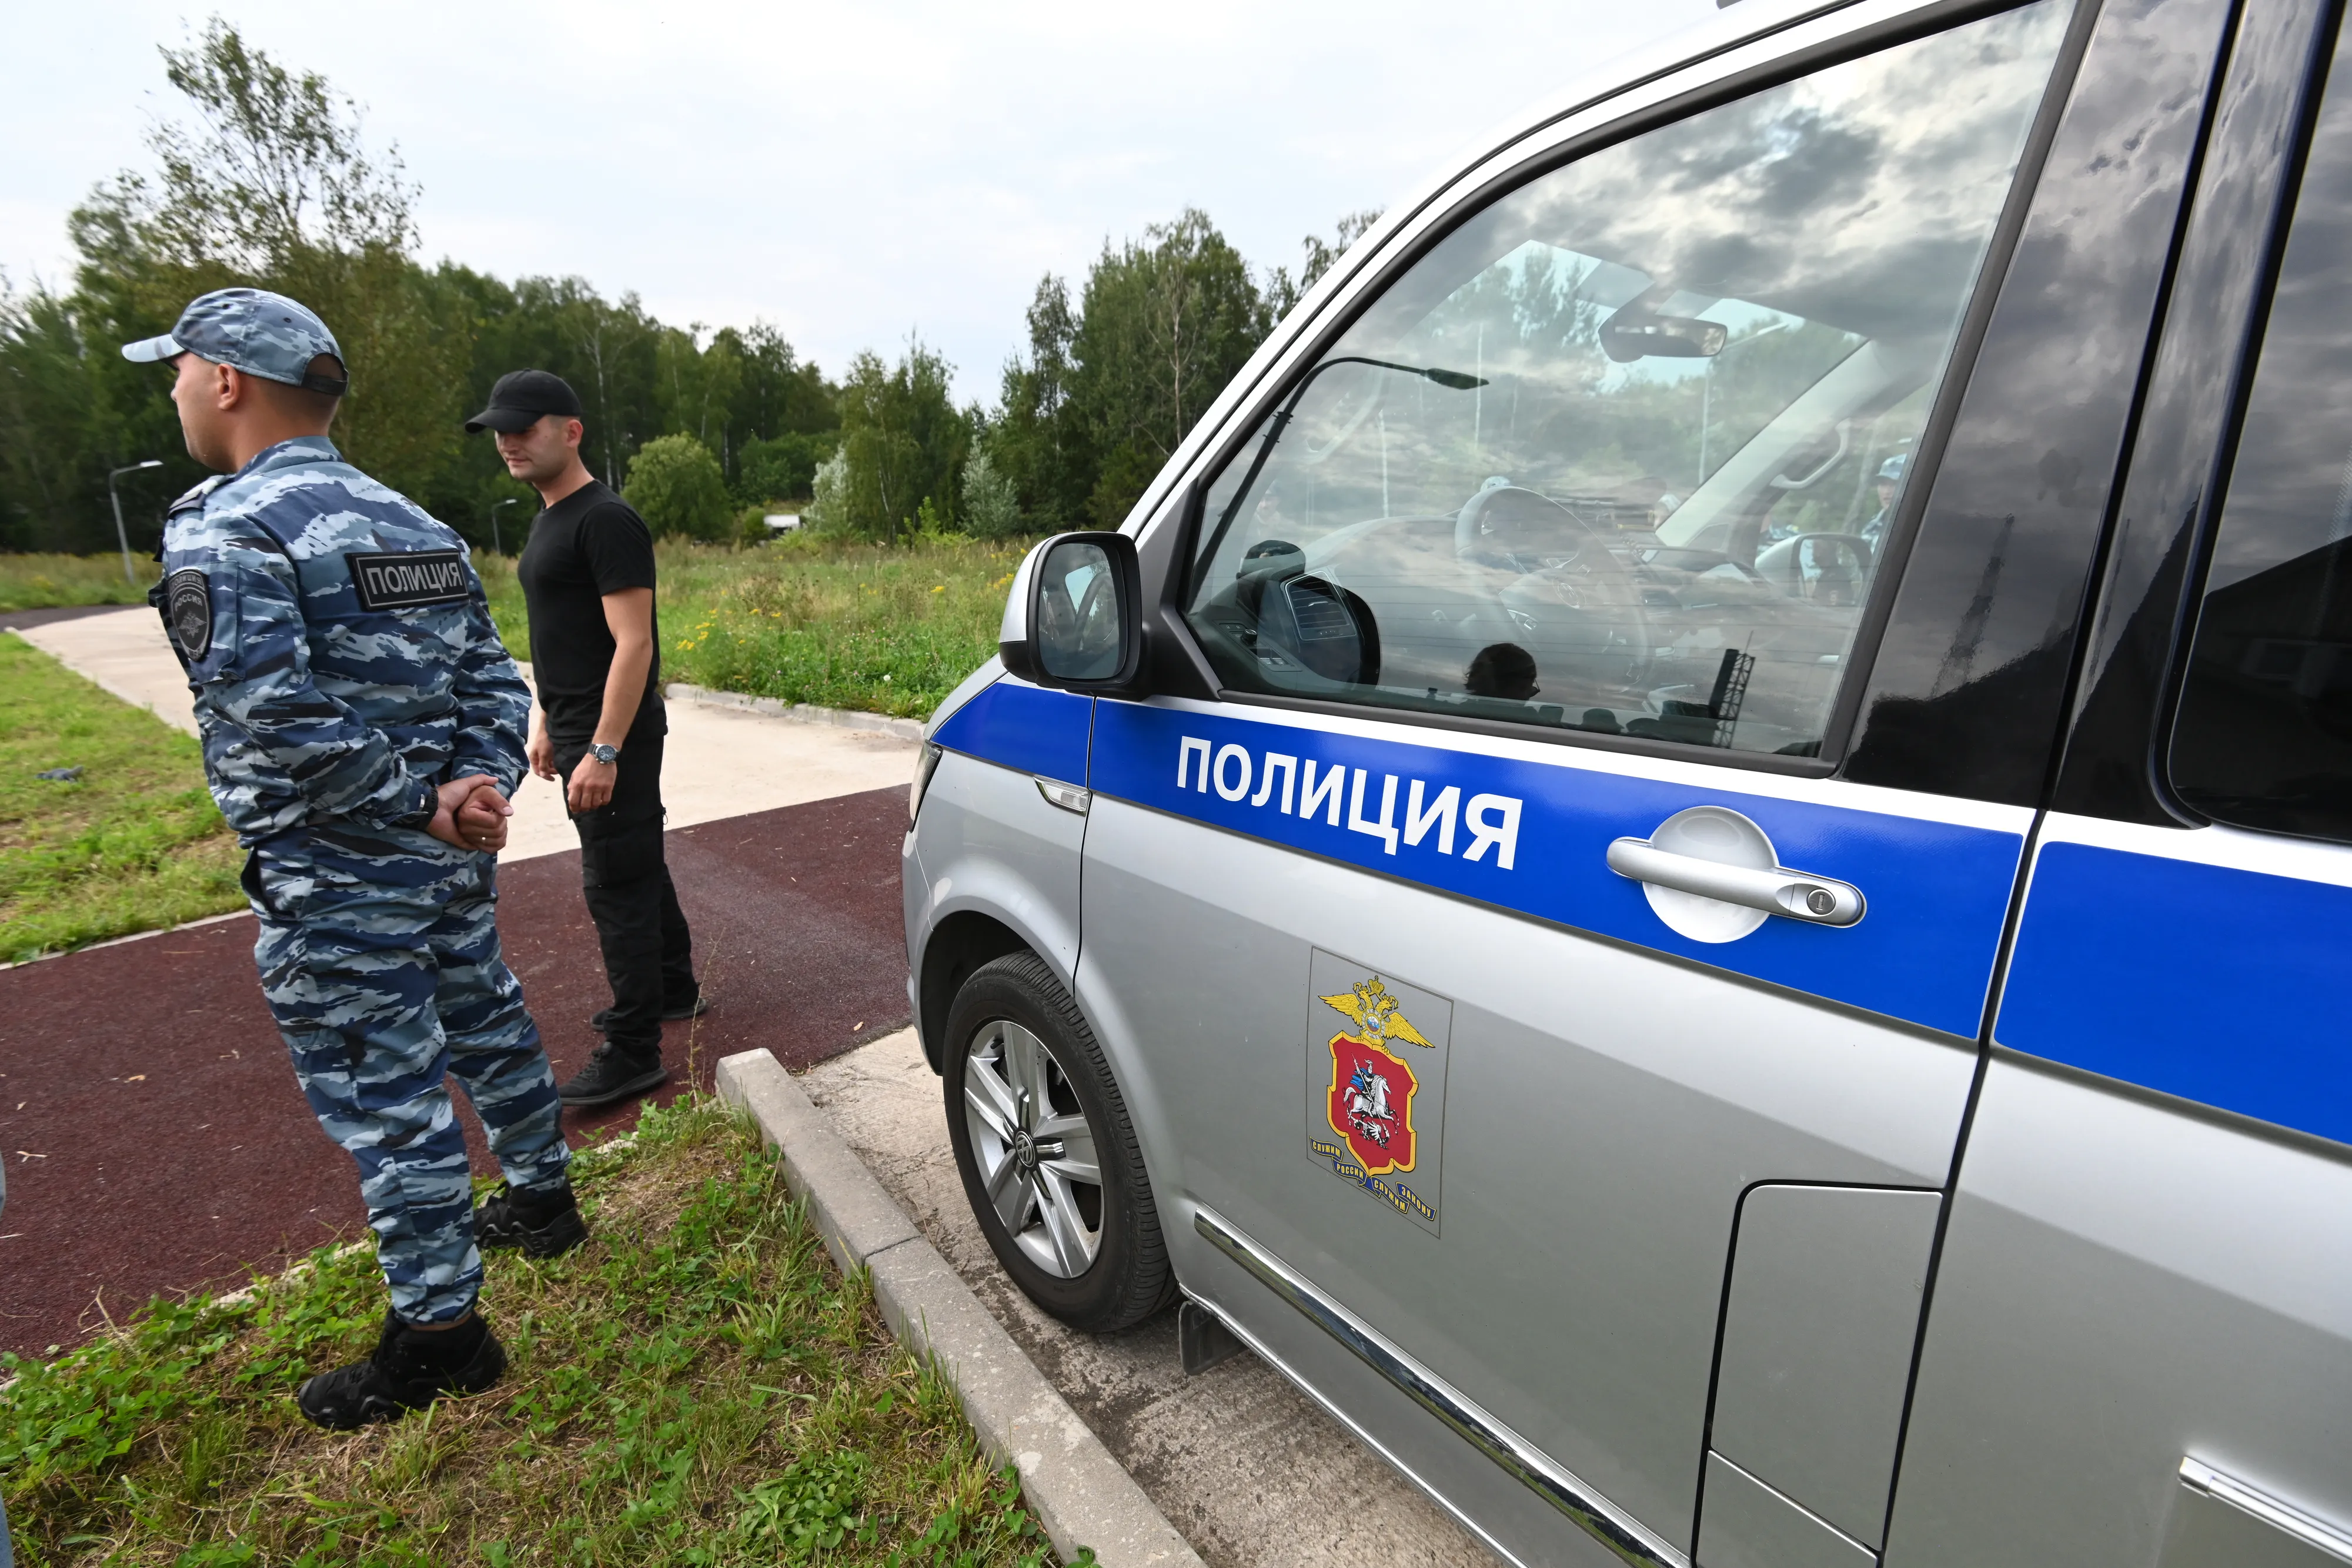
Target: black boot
<point>672,1012</point>
<point>410,1369</point>
<point>544,1221</point>
<point>612,1074</point>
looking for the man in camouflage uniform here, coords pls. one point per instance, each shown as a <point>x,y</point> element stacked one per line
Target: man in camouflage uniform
<point>362,727</point>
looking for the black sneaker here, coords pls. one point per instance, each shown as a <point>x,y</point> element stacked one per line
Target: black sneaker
<point>544,1221</point>
<point>612,1074</point>
<point>672,1012</point>
<point>410,1369</point>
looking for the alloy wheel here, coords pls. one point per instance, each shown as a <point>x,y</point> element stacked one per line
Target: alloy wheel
<point>1035,1152</point>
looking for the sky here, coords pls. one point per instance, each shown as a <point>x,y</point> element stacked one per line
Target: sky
<point>853,174</point>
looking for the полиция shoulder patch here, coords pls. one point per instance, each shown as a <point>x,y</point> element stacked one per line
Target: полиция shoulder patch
<point>407,579</point>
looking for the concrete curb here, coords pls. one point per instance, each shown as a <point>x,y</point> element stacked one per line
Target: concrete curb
<point>1077,1490</point>
<point>803,713</point>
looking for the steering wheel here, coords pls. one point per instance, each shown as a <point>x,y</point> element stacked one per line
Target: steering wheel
<point>1573,569</point>
<point>1491,519</point>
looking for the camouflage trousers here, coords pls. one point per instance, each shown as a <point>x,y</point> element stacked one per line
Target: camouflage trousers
<point>379,955</point>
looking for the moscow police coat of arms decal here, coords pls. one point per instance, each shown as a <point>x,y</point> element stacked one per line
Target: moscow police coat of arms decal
<point>1376,1052</point>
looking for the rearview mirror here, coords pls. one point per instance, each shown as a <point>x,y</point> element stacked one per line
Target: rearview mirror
<point>1638,332</point>
<point>1074,619</point>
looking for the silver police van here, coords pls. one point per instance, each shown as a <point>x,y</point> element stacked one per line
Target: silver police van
<point>1695,858</point>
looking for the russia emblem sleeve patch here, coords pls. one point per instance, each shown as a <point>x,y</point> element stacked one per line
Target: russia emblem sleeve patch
<point>188,609</point>
<point>1376,1057</point>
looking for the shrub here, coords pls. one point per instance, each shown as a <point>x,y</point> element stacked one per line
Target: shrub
<point>991,508</point>
<point>676,484</point>
<point>933,527</point>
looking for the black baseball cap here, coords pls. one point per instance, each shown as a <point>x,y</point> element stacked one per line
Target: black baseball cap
<point>523,398</point>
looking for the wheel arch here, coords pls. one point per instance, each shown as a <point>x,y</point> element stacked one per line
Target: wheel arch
<point>958,946</point>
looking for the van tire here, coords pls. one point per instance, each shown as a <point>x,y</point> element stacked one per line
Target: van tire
<point>1128,1278</point>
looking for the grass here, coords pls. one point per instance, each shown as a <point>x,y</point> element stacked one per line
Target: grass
<point>808,620</point>
<point>41,581</point>
<point>134,845</point>
<point>697,1385</point>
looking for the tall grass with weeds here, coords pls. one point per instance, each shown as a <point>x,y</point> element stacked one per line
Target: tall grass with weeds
<point>808,619</point>
<point>696,1386</point>
<point>45,581</point>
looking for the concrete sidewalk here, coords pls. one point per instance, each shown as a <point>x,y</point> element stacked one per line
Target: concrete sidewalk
<point>1251,1470</point>
<point>719,761</point>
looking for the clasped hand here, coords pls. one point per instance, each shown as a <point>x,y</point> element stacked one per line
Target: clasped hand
<point>471,814</point>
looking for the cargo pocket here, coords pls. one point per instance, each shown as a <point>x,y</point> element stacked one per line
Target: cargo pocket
<point>249,879</point>
<point>274,894</point>
<point>615,854</point>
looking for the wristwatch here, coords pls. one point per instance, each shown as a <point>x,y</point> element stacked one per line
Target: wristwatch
<point>607,755</point>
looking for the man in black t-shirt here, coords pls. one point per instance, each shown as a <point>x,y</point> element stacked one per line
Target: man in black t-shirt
<point>587,576</point>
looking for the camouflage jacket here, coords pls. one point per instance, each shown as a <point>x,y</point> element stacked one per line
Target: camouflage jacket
<point>338,645</point>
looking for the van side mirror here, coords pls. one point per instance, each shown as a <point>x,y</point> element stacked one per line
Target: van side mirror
<point>1075,617</point>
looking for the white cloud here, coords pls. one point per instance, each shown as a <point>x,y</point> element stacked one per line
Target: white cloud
<point>849,173</point>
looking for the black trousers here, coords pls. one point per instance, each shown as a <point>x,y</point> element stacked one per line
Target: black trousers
<point>648,951</point>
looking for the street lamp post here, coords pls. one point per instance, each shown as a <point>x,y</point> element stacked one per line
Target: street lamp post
<point>496,547</point>
<point>120,537</point>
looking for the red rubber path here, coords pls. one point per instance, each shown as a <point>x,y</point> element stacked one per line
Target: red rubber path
<point>156,1143</point>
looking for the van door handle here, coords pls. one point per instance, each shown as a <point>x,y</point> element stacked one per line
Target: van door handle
<point>1800,895</point>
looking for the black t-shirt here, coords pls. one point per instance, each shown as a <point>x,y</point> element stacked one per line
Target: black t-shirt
<point>589,543</point>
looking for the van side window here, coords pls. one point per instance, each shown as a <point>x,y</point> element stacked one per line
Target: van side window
<point>1620,452</point>
<point>2264,737</point>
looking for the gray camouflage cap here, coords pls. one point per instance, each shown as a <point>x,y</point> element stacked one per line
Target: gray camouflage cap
<point>260,333</point>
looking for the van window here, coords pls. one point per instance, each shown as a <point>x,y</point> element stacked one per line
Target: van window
<point>2263,738</point>
<point>1620,452</point>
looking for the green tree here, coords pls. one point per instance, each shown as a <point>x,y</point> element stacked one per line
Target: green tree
<point>1316,257</point>
<point>697,384</point>
<point>274,186</point>
<point>828,508</point>
<point>779,394</point>
<point>904,442</point>
<point>992,508</point>
<point>58,434</point>
<point>1038,441</point>
<point>1163,326</point>
<point>780,467</point>
<point>1105,392</point>
<point>269,184</point>
<point>675,483</point>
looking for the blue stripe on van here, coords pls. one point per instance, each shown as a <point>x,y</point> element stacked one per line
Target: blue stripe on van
<point>1937,894</point>
<point>2221,986</point>
<point>1023,726</point>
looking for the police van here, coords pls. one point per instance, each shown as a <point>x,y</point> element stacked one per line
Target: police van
<point>1692,858</point>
